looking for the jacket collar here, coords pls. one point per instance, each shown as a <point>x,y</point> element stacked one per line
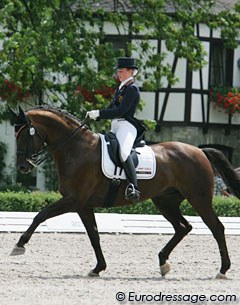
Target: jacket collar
<point>126,82</point>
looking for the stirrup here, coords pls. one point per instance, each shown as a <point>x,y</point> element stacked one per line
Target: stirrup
<point>131,192</point>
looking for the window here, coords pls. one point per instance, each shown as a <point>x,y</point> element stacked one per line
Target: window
<point>117,42</point>
<point>221,65</point>
<point>117,45</point>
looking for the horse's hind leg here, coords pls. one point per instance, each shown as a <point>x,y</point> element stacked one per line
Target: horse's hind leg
<point>169,208</point>
<point>217,228</point>
<point>88,218</point>
<point>61,206</point>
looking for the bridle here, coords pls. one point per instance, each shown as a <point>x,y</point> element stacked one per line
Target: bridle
<point>35,158</point>
<point>31,156</point>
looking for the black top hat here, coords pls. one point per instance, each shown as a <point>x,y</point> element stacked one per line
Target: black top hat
<point>126,62</point>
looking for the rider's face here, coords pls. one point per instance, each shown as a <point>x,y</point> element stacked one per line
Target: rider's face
<point>124,74</point>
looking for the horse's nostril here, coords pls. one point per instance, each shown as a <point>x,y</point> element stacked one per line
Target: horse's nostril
<point>23,168</point>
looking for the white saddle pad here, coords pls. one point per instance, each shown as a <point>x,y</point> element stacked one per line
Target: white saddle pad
<point>146,168</point>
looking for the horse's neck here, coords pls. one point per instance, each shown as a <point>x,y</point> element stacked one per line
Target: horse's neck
<point>57,129</point>
<point>53,126</point>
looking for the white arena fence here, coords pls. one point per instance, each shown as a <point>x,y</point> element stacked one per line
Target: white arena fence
<point>110,223</point>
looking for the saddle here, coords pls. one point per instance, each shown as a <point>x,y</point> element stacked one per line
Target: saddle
<point>144,161</point>
<point>113,149</point>
<point>143,158</point>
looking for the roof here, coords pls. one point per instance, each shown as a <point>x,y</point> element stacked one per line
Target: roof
<point>127,7</point>
<point>114,5</point>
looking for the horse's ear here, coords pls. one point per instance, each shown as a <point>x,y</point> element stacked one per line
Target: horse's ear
<point>23,118</point>
<point>18,118</point>
<point>22,114</point>
<point>13,115</point>
<point>12,112</point>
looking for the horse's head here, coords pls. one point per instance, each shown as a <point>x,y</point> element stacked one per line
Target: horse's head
<point>29,142</point>
<point>39,131</point>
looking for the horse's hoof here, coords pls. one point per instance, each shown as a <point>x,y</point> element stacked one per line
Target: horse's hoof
<point>93,274</point>
<point>164,269</point>
<point>17,251</point>
<point>221,276</point>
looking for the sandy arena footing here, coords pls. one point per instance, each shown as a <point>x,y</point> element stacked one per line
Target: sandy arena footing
<point>54,271</point>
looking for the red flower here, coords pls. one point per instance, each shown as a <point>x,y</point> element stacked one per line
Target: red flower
<point>89,96</point>
<point>226,98</point>
<point>12,92</point>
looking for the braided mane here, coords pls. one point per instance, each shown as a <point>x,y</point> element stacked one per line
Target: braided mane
<point>61,112</point>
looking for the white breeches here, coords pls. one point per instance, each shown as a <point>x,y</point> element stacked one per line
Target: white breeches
<point>126,134</point>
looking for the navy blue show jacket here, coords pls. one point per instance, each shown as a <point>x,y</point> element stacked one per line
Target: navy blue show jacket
<point>123,104</point>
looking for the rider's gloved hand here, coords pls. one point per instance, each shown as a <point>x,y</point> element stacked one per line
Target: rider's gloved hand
<point>94,114</point>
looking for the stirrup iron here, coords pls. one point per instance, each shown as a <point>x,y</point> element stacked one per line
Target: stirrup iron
<point>131,192</point>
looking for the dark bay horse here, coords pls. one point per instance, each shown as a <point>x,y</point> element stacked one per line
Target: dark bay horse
<point>183,171</point>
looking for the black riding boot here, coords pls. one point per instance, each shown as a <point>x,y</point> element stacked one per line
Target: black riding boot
<point>132,191</point>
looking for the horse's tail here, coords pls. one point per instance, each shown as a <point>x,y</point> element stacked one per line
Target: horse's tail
<point>225,169</point>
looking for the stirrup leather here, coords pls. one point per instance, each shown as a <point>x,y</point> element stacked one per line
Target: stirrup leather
<point>131,192</point>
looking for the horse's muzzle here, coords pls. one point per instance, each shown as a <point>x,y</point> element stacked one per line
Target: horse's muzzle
<point>24,168</point>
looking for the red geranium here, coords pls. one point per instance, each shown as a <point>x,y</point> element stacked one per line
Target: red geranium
<point>12,92</point>
<point>227,98</point>
<point>89,95</point>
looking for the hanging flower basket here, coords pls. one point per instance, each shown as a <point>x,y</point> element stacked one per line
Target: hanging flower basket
<point>227,98</point>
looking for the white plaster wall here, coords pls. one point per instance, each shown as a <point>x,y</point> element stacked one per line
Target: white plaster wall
<point>196,110</point>
<point>204,30</point>
<point>7,136</point>
<point>217,115</point>
<point>205,71</point>
<point>216,33</point>
<point>175,106</point>
<point>148,109</point>
<point>111,29</point>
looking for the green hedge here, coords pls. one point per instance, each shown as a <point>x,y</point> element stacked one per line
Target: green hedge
<point>36,201</point>
<point>26,202</point>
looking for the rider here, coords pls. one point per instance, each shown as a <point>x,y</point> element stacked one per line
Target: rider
<point>121,110</point>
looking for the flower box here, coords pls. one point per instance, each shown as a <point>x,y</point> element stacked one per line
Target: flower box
<point>226,98</point>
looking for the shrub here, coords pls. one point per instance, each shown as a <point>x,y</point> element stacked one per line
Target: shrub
<point>36,201</point>
<point>26,202</point>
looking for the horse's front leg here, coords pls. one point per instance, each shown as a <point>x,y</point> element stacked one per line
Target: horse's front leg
<point>61,206</point>
<point>88,218</point>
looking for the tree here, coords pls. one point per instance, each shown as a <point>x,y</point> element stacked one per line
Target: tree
<point>55,50</point>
